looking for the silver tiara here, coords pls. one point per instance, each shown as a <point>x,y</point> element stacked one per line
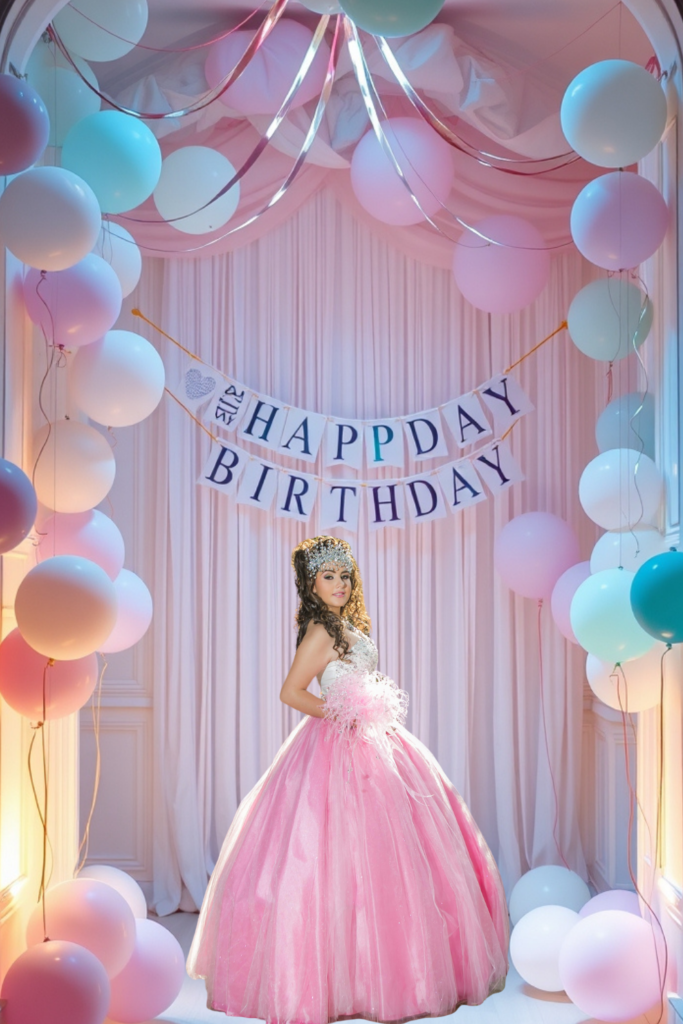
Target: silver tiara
<point>330,555</point>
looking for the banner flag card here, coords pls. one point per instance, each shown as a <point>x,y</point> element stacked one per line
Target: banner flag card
<point>424,498</point>
<point>497,467</point>
<point>344,443</point>
<point>386,504</point>
<point>302,434</point>
<point>505,400</point>
<point>263,422</point>
<point>425,435</point>
<point>224,467</point>
<point>384,443</point>
<point>466,420</point>
<point>296,494</point>
<point>461,485</point>
<point>228,405</point>
<point>197,385</point>
<point>340,504</point>
<point>258,484</point>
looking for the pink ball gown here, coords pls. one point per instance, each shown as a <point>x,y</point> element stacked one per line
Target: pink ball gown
<point>353,881</point>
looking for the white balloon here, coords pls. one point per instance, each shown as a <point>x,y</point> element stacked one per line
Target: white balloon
<point>535,945</point>
<point>134,614</point>
<point>323,6</point>
<point>123,883</point>
<point>102,30</point>
<point>627,549</point>
<point>634,687</point>
<point>621,489</point>
<point>550,884</point>
<point>190,177</point>
<point>118,380</point>
<point>613,113</point>
<point>65,607</point>
<point>118,247</point>
<point>65,95</point>
<point>49,218</point>
<point>76,467</point>
<point>609,318</point>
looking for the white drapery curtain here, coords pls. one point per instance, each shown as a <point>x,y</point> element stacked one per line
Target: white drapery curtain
<point>326,315</point>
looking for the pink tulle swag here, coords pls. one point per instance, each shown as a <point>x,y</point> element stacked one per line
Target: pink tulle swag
<point>370,702</point>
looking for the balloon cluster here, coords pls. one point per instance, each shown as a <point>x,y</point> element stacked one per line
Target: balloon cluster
<point>103,957</point>
<point>599,951</point>
<point>613,113</point>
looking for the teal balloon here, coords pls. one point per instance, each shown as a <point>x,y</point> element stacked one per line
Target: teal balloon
<point>657,597</point>
<point>603,621</point>
<point>628,422</point>
<point>391,17</point>
<point>117,155</point>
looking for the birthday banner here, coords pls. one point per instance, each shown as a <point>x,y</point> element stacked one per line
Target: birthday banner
<point>485,414</point>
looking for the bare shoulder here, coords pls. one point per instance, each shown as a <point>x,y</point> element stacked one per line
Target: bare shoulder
<point>316,637</point>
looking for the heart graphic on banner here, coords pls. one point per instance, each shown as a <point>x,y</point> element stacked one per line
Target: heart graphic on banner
<point>197,386</point>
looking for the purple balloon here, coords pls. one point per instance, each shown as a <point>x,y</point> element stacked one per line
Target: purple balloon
<point>18,505</point>
<point>76,306</point>
<point>532,551</point>
<point>613,899</point>
<point>619,220</point>
<point>25,125</point>
<point>561,598</point>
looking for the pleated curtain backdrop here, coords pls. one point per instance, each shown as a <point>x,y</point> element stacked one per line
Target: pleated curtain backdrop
<point>324,314</point>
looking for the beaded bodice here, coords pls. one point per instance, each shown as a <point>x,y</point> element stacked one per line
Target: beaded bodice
<point>361,657</point>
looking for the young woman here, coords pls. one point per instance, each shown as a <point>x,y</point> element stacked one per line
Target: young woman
<point>353,881</point>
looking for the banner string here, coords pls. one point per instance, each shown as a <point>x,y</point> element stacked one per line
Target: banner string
<point>192,355</point>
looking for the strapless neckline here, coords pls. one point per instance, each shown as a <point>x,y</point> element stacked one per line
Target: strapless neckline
<point>337,664</point>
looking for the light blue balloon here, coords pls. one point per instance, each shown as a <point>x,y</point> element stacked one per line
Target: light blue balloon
<point>117,155</point>
<point>391,17</point>
<point>619,427</point>
<point>603,620</point>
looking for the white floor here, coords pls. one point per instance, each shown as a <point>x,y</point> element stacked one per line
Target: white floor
<point>517,1004</point>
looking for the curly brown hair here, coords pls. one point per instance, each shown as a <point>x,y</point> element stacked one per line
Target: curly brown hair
<point>312,608</point>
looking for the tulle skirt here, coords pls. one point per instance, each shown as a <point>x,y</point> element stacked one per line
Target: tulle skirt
<point>349,885</point>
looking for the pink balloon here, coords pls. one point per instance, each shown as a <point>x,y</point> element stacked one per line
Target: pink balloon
<point>532,551</point>
<point>25,125</point>
<point>59,982</point>
<point>561,598</point>
<point>76,306</point>
<point>151,979</point>
<point>619,220</point>
<point>608,966</point>
<point>613,899</point>
<point>90,914</point>
<point>87,534</point>
<point>505,277</point>
<point>68,684</point>
<point>267,78</point>
<point>426,162</point>
<point>134,613</point>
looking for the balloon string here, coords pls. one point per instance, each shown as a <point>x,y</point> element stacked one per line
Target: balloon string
<point>163,49</point>
<point>44,808</point>
<point>96,708</point>
<point>610,382</point>
<point>633,802</point>
<point>545,735</point>
<point>49,361</point>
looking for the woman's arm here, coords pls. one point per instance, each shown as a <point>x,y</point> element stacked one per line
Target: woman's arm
<point>312,655</point>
